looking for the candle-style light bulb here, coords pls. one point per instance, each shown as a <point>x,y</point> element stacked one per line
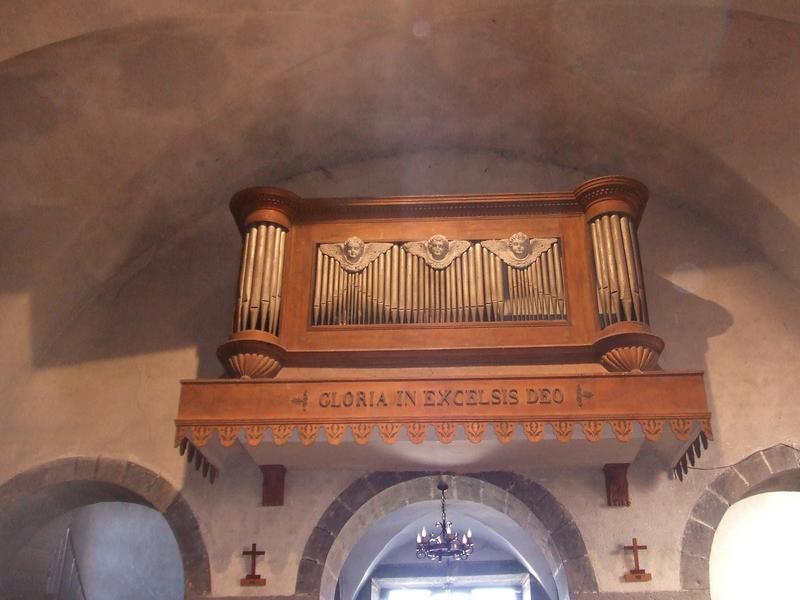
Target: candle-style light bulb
<point>469,533</point>
<point>419,539</point>
<point>424,533</point>
<point>463,539</point>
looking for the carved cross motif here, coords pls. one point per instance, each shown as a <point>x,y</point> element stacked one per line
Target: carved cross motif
<point>637,573</point>
<point>581,395</point>
<point>301,400</point>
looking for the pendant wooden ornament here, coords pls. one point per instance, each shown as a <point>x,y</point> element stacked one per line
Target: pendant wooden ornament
<point>617,484</point>
<point>637,573</point>
<point>253,578</point>
<point>273,484</point>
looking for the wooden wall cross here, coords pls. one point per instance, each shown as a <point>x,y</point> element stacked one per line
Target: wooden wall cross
<point>637,573</point>
<point>253,578</point>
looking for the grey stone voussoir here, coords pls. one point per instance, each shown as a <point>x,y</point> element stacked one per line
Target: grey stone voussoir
<point>730,485</point>
<point>754,469</point>
<point>709,509</point>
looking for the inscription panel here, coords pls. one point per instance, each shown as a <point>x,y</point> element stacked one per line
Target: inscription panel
<point>511,399</point>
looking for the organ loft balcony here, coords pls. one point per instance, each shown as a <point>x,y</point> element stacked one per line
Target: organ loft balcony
<point>443,332</point>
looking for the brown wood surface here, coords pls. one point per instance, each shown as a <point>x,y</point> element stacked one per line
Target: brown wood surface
<point>315,221</point>
<point>623,400</point>
<point>657,395</point>
<point>272,485</point>
<point>553,341</point>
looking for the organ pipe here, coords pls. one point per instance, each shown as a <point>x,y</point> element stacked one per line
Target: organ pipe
<point>618,270</point>
<point>400,288</point>
<point>259,290</point>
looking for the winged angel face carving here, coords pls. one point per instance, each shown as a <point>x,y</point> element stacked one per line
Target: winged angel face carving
<point>519,250</point>
<point>353,249</point>
<point>437,252</point>
<point>354,254</point>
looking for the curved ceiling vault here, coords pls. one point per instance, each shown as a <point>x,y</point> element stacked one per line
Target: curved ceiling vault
<point>124,127</point>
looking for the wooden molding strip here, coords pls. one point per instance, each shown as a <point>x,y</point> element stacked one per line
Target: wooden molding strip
<point>253,433</point>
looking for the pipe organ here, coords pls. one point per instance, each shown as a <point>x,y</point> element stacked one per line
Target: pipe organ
<point>509,278</point>
<point>339,299</point>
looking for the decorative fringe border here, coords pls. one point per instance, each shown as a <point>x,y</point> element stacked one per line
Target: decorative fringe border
<point>692,452</point>
<point>193,455</point>
<point>445,432</point>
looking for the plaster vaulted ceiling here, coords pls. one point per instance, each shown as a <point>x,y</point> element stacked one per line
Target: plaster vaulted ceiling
<point>125,126</point>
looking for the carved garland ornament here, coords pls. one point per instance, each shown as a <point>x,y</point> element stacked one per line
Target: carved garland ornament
<point>445,432</point>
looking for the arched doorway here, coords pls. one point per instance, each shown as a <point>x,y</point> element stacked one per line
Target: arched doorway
<point>50,497</point>
<point>753,554</point>
<point>382,565</point>
<point>774,469</point>
<point>556,550</point>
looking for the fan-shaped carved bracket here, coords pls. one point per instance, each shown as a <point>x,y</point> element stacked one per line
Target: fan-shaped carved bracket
<point>629,347</point>
<point>251,354</point>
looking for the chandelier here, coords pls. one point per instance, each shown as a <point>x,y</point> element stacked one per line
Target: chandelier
<point>446,543</point>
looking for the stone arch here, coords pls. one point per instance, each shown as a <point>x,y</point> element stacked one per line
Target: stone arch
<point>34,497</point>
<point>508,492</point>
<point>762,471</point>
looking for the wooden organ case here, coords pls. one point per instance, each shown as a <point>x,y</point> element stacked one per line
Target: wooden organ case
<point>439,319</point>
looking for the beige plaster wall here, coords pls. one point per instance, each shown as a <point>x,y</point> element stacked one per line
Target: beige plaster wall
<point>125,126</point>
<point>716,303</point>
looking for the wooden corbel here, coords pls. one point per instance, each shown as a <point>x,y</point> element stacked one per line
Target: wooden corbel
<point>272,486</point>
<point>617,484</point>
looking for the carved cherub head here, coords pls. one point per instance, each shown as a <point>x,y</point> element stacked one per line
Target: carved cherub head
<point>438,246</point>
<point>520,245</point>
<point>353,249</point>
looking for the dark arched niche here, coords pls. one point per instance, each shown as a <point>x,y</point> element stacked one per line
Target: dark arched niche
<point>33,498</point>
